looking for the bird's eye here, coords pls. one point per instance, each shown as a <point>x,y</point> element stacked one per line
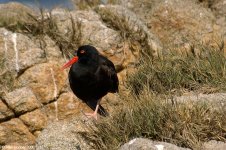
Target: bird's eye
<point>82,51</point>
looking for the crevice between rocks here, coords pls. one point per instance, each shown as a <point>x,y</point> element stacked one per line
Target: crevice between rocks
<point>17,115</point>
<point>10,117</point>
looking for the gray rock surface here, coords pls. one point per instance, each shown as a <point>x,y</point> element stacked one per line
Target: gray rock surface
<point>22,100</point>
<point>46,80</point>
<point>217,100</point>
<point>88,28</point>
<point>214,145</point>
<point>146,144</point>
<point>131,26</point>
<point>180,23</point>
<point>19,51</point>
<point>61,135</point>
<point>13,12</point>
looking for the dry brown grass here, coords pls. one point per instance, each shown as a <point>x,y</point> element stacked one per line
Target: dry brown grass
<point>46,24</point>
<point>175,73</point>
<point>150,112</point>
<point>184,124</point>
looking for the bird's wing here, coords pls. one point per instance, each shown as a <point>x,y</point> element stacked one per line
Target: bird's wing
<point>108,69</point>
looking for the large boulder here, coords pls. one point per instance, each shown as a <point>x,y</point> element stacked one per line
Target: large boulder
<point>37,89</point>
<point>17,53</point>
<point>35,120</point>
<point>130,27</point>
<point>5,112</point>
<point>182,24</point>
<point>13,13</point>
<point>62,135</point>
<point>13,131</point>
<point>22,100</point>
<point>217,100</point>
<point>214,145</point>
<point>146,144</point>
<point>142,8</point>
<point>46,80</point>
<point>88,27</point>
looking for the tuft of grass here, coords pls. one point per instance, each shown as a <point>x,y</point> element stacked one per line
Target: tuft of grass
<point>184,124</point>
<point>131,29</point>
<point>175,73</point>
<point>46,24</point>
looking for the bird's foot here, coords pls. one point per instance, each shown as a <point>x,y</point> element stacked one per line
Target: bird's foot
<point>91,115</point>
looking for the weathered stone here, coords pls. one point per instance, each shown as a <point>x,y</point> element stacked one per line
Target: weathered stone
<point>37,133</point>
<point>181,23</point>
<point>214,145</point>
<point>219,9</point>
<point>13,12</point>
<point>52,51</point>
<point>21,100</point>
<point>142,8</point>
<point>129,24</point>
<point>19,51</point>
<point>7,79</point>
<point>35,120</point>
<point>63,135</point>
<point>89,29</point>
<point>67,105</point>
<point>5,112</point>
<point>218,100</point>
<point>15,131</point>
<point>46,80</point>
<point>146,144</point>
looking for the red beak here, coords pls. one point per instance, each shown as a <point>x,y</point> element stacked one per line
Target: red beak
<point>72,61</point>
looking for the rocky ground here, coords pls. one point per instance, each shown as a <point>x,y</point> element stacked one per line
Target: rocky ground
<point>36,104</point>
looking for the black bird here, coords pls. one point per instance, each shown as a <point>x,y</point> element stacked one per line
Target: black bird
<point>91,77</point>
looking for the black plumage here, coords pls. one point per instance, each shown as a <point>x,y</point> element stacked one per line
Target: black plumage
<point>92,77</point>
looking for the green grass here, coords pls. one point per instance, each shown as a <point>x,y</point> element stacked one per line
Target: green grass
<point>176,73</point>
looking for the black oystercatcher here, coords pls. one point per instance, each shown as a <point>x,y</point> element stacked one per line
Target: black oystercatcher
<point>91,77</point>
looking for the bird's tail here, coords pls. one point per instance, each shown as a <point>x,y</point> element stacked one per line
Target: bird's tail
<point>101,110</point>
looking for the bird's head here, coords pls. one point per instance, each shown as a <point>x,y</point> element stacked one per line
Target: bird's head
<point>85,51</point>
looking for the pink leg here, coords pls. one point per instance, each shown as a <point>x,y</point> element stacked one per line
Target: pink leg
<point>94,114</point>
